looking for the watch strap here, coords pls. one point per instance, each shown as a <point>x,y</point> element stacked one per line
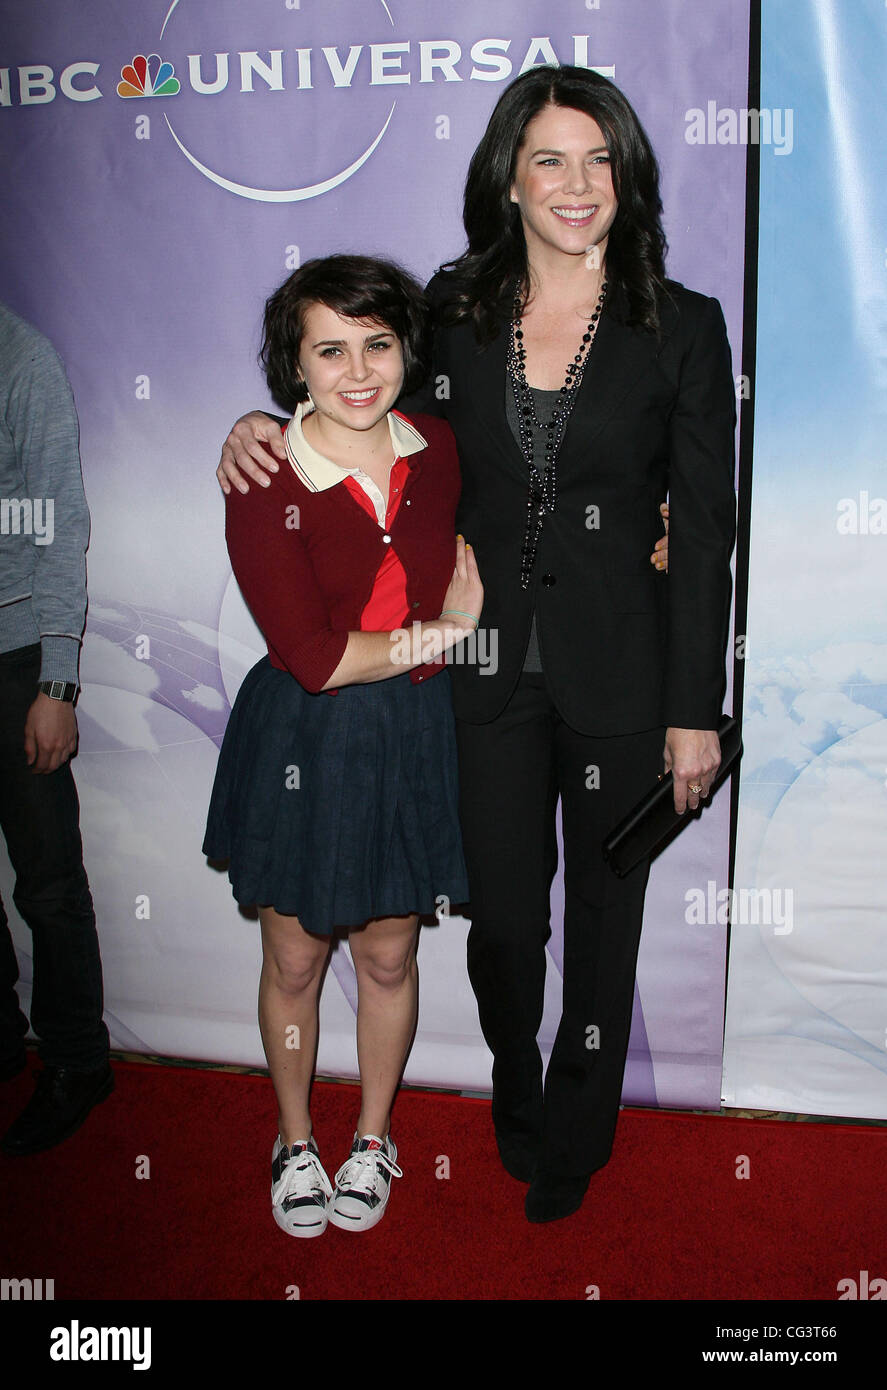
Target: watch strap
<point>58,690</point>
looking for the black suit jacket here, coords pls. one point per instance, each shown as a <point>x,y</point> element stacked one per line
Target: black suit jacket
<point>623,646</point>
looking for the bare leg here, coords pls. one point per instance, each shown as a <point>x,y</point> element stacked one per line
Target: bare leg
<point>384,955</point>
<point>292,968</point>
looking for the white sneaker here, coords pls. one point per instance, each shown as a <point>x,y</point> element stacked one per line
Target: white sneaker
<point>300,1189</point>
<point>363,1184</point>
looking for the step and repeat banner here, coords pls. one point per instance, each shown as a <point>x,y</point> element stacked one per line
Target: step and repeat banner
<point>164,167</point>
<point>807,1008</point>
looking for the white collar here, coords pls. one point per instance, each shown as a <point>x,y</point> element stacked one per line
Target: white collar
<point>318,472</point>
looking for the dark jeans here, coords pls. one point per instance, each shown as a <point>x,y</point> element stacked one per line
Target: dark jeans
<point>511,773</point>
<point>40,821</point>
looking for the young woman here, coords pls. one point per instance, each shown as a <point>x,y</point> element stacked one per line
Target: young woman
<point>583,386</point>
<point>335,799</point>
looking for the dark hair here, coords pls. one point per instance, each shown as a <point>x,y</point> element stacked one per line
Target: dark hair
<point>357,287</point>
<point>483,279</point>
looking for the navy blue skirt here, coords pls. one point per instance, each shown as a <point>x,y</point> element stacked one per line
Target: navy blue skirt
<point>339,808</point>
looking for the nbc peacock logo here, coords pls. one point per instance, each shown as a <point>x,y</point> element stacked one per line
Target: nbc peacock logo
<point>149,76</point>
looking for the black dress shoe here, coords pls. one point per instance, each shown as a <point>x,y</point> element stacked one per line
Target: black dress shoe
<point>61,1101</point>
<point>13,1066</point>
<point>519,1155</point>
<point>550,1198</point>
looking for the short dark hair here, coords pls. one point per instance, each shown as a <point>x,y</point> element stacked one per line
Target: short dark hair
<point>357,287</point>
<point>496,259</point>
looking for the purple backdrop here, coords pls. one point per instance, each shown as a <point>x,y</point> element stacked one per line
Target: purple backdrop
<point>142,232</point>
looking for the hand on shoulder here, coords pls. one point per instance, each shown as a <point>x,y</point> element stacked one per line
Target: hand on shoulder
<point>253,447</point>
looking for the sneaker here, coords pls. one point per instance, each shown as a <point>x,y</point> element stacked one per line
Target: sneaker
<point>363,1183</point>
<point>300,1189</point>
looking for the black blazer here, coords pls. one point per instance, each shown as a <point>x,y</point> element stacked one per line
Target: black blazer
<point>624,647</point>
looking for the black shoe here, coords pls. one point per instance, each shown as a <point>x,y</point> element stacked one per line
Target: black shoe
<point>519,1155</point>
<point>61,1101</point>
<point>13,1066</point>
<point>551,1198</point>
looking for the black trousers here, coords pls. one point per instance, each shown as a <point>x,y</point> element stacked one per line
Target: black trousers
<point>511,773</point>
<point>40,821</point>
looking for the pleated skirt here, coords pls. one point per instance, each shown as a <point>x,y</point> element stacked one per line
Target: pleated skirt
<point>339,808</point>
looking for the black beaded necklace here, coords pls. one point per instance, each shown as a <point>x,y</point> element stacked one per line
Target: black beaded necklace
<point>542,494</point>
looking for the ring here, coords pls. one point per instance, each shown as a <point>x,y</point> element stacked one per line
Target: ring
<point>694,787</point>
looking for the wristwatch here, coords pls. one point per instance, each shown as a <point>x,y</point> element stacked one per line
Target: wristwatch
<point>58,690</point>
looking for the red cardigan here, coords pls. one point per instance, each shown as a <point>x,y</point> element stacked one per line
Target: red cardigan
<point>307,574</point>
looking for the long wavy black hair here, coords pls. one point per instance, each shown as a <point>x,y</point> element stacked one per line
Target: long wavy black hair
<point>482,281</point>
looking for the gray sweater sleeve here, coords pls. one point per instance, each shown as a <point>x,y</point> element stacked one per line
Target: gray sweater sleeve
<point>42,419</point>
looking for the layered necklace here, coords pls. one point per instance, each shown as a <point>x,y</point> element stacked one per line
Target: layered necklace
<point>542,495</point>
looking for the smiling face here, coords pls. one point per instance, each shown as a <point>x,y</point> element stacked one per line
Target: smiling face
<point>563,185</point>
<point>354,370</point>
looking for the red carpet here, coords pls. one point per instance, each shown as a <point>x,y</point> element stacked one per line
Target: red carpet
<point>667,1218</point>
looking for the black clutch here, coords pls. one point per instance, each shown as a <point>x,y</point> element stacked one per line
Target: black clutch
<point>654,817</point>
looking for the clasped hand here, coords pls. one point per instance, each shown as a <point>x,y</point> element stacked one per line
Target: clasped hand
<point>693,757</point>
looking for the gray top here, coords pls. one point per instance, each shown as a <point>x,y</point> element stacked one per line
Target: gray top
<point>544,403</point>
<point>44,520</point>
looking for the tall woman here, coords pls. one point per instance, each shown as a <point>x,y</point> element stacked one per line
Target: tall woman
<point>582,386</point>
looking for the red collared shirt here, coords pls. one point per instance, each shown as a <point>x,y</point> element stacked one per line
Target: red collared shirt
<point>387,607</point>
